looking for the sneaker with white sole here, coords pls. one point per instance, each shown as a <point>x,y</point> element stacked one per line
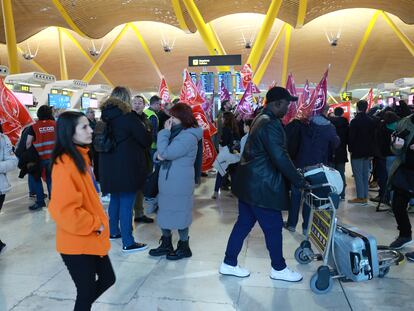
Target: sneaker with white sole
<point>136,247</point>
<point>286,275</point>
<point>238,271</point>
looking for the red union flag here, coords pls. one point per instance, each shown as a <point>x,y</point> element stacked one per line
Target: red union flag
<point>189,93</point>
<point>246,104</point>
<point>209,153</point>
<point>201,90</point>
<point>246,75</point>
<point>203,121</point>
<point>370,99</point>
<point>13,115</point>
<point>164,92</point>
<point>293,107</point>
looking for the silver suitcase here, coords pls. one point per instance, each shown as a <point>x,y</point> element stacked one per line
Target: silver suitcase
<point>356,254</point>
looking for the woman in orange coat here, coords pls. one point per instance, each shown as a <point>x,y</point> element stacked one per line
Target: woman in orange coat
<point>82,228</point>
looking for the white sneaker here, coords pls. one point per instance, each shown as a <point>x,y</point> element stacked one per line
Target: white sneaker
<point>106,198</point>
<point>238,271</point>
<point>286,275</point>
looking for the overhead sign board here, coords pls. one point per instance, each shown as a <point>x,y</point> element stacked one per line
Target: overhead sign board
<point>214,60</point>
<point>346,96</point>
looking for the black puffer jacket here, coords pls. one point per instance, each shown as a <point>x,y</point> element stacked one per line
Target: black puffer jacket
<point>265,169</point>
<point>342,130</point>
<point>124,169</point>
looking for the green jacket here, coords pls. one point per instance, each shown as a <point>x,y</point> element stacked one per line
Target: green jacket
<point>155,124</point>
<point>405,124</point>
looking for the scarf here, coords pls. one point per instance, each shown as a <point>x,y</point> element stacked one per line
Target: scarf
<point>175,130</point>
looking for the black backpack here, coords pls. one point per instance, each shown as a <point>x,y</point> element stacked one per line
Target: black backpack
<point>104,140</point>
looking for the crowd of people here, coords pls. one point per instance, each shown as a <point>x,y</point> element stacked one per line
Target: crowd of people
<point>84,161</point>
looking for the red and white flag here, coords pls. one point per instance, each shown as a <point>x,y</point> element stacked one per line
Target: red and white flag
<point>164,92</point>
<point>370,99</point>
<point>346,106</point>
<point>13,115</point>
<point>246,75</point>
<point>246,104</point>
<point>189,92</point>
<point>293,107</point>
<point>201,90</point>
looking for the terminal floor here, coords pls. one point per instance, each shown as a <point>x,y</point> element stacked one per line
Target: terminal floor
<point>33,276</point>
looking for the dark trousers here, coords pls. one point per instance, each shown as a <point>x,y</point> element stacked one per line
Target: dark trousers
<point>382,176</point>
<point>2,197</point>
<point>293,218</point>
<point>92,276</point>
<point>399,207</point>
<point>340,167</point>
<point>40,196</point>
<point>271,223</point>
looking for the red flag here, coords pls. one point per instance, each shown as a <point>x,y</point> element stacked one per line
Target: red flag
<point>189,93</point>
<point>209,152</point>
<point>293,107</point>
<point>316,102</point>
<point>246,104</point>
<point>246,75</point>
<point>370,99</point>
<point>201,90</point>
<point>13,115</point>
<point>164,92</point>
<point>255,89</point>
<point>224,93</point>
<point>346,106</point>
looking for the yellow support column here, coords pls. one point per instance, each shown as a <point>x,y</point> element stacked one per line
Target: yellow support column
<point>146,49</point>
<point>91,73</point>
<point>360,49</point>
<point>87,56</point>
<point>179,15</point>
<point>10,33</point>
<point>266,60</point>
<point>404,39</point>
<point>210,40</point>
<point>62,58</point>
<point>264,32</point>
<point>67,18</point>
<point>301,13</point>
<point>288,33</point>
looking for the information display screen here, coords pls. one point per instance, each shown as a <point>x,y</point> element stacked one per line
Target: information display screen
<point>25,99</point>
<point>228,80</point>
<point>59,101</point>
<point>207,81</point>
<point>239,83</point>
<point>87,102</point>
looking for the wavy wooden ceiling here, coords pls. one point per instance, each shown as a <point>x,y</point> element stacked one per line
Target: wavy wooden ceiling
<point>384,59</point>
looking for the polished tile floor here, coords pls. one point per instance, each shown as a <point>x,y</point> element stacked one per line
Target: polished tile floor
<point>33,277</point>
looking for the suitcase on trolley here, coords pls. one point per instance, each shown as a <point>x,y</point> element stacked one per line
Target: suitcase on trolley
<point>355,254</point>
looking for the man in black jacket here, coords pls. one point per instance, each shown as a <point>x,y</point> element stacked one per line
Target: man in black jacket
<point>341,155</point>
<point>361,145</point>
<point>261,187</point>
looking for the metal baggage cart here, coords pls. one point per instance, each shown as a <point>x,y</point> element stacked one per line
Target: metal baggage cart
<point>321,234</point>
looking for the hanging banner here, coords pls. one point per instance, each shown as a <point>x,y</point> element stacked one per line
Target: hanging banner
<point>293,106</point>
<point>13,115</point>
<point>189,92</point>
<point>346,106</point>
<point>163,91</point>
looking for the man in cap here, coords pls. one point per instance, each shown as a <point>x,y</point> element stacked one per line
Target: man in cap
<point>261,188</point>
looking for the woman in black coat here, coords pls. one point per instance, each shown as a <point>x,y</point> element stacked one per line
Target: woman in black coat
<point>123,170</point>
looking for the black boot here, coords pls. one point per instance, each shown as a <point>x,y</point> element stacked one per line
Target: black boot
<point>183,251</point>
<point>2,245</point>
<point>165,247</point>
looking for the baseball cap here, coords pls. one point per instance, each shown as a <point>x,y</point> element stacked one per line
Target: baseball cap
<point>278,93</point>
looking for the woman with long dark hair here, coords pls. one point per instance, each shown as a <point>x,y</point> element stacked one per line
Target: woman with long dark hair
<point>230,137</point>
<point>8,162</point>
<point>82,228</point>
<point>178,148</point>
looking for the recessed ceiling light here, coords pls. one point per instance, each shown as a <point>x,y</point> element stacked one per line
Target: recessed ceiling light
<point>45,9</point>
<point>92,17</point>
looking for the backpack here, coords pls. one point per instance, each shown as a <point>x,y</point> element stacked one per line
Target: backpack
<point>104,140</point>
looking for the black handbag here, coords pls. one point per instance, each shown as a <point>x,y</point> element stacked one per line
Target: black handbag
<point>151,183</point>
<point>403,179</point>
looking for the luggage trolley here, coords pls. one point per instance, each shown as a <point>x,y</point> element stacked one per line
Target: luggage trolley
<point>347,253</point>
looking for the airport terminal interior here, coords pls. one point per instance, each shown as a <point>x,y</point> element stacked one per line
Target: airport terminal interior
<point>71,54</point>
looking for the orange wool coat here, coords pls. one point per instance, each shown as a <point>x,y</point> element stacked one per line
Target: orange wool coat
<point>77,210</point>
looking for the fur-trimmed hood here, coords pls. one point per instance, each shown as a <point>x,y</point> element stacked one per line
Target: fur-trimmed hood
<point>113,108</point>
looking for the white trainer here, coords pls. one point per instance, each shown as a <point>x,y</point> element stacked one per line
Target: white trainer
<point>286,275</point>
<point>238,271</point>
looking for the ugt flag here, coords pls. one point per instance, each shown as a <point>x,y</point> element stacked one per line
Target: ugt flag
<point>13,115</point>
<point>164,92</point>
<point>189,92</point>
<point>246,104</point>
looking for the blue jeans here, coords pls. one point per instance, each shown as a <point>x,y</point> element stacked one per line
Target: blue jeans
<point>32,184</point>
<point>40,196</point>
<point>293,217</point>
<point>120,215</point>
<point>360,169</point>
<point>271,223</point>
<point>340,167</point>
